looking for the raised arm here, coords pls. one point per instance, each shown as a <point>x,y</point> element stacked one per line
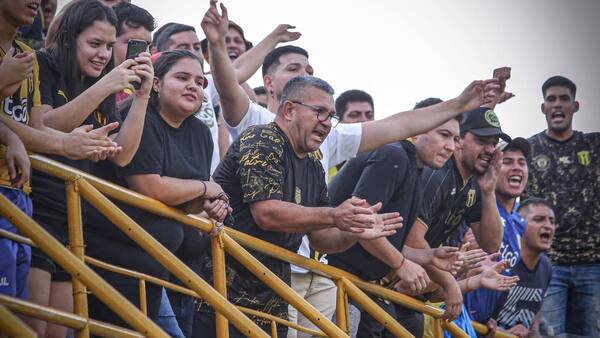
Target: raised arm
<point>403,125</point>
<point>489,231</point>
<point>248,63</point>
<point>234,101</point>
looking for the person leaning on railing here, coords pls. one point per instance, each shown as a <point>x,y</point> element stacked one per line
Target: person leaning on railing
<point>77,87</point>
<point>171,165</point>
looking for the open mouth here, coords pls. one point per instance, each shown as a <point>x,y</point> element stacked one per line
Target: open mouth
<point>546,236</point>
<point>321,135</point>
<point>485,158</point>
<point>99,65</point>
<point>515,180</point>
<point>557,116</point>
<point>232,54</point>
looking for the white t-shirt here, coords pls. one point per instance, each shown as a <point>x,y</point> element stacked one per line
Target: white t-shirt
<point>341,144</point>
<point>207,115</point>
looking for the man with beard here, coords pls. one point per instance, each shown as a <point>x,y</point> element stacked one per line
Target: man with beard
<point>565,170</point>
<point>462,192</point>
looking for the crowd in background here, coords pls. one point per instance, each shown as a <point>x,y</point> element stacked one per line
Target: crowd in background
<point>436,201</point>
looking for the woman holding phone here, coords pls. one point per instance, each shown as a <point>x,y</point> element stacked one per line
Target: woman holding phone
<point>78,83</point>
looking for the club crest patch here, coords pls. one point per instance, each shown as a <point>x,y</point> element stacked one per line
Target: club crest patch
<point>541,162</point>
<point>492,119</point>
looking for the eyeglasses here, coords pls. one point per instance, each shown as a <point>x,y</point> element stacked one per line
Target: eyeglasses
<point>322,113</point>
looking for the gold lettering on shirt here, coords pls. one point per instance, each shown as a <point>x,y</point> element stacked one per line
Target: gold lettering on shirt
<point>584,157</point>
<point>298,196</point>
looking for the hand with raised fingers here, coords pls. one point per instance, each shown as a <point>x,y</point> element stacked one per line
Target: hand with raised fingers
<point>447,258</point>
<point>282,33</point>
<point>472,97</point>
<point>214,24</point>
<point>17,161</point>
<point>82,144</point>
<point>385,225</point>
<point>16,68</point>
<point>491,278</point>
<point>487,181</point>
<point>471,259</point>
<point>121,77</point>
<point>353,216</point>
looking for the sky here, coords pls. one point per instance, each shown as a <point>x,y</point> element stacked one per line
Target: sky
<point>404,51</point>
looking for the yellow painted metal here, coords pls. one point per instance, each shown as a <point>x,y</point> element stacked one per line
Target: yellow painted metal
<point>374,310</point>
<point>76,268</point>
<point>273,329</point>
<point>12,326</point>
<point>281,288</point>
<point>143,300</point>
<point>483,330</point>
<point>80,304</point>
<point>168,260</point>
<point>16,238</point>
<point>64,318</point>
<point>438,331</point>
<point>341,310</point>
<point>220,281</point>
<point>453,329</point>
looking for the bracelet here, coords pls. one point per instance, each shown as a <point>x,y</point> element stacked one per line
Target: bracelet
<point>401,263</point>
<point>204,192</point>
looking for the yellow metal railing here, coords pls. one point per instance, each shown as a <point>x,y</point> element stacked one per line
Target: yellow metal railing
<point>348,285</point>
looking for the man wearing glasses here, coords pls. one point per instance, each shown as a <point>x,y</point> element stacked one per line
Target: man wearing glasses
<point>339,144</point>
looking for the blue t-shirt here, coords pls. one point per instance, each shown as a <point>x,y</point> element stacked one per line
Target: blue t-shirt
<point>481,302</point>
<point>521,303</point>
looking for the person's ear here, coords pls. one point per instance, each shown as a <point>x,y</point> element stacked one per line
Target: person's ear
<point>288,110</point>
<point>156,85</point>
<point>269,85</point>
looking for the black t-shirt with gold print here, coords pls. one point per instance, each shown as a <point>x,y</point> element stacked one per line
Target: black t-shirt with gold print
<point>450,204</point>
<point>18,106</point>
<point>262,165</point>
<point>567,174</point>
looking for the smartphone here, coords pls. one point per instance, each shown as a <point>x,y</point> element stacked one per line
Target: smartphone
<point>134,48</point>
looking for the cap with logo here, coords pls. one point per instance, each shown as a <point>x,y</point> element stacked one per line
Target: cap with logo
<point>483,122</point>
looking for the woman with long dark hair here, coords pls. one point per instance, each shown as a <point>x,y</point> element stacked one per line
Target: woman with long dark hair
<point>78,83</point>
<point>171,165</point>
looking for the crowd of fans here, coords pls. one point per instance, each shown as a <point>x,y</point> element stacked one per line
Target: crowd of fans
<point>435,202</point>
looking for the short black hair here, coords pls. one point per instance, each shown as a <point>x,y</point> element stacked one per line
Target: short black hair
<point>430,101</point>
<point>260,90</point>
<point>352,95</point>
<point>559,81</point>
<point>272,59</point>
<point>162,39</point>
<point>133,16</point>
<point>526,205</point>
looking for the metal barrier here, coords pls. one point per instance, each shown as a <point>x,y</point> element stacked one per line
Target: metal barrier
<point>93,188</point>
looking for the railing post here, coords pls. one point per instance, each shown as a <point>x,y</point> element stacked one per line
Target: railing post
<point>77,248</point>
<point>143,300</point>
<point>438,331</point>
<point>273,329</point>
<point>342,308</point>
<point>220,281</point>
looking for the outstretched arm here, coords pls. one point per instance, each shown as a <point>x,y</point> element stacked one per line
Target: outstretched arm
<point>403,125</point>
<point>248,63</point>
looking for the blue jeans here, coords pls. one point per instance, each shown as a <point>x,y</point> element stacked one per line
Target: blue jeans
<point>166,318</point>
<point>572,303</point>
<point>183,307</point>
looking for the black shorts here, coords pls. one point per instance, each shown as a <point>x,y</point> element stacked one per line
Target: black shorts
<point>40,259</point>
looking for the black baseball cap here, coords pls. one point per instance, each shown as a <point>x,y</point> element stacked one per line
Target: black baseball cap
<point>483,122</point>
<point>517,143</point>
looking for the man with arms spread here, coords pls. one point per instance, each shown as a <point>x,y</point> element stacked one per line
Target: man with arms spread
<point>565,170</point>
